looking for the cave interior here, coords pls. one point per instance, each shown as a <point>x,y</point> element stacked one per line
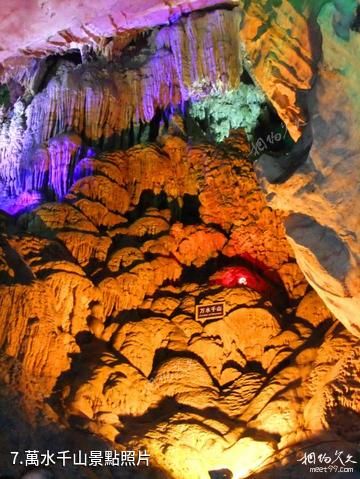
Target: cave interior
<point>179,253</point>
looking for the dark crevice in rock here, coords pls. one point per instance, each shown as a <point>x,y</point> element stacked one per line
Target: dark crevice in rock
<point>355,26</point>
<point>48,67</point>
<point>278,169</point>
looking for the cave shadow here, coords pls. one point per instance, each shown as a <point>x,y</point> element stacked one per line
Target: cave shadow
<point>187,214</point>
<point>278,169</point>
<point>91,352</point>
<point>329,249</point>
<point>22,272</point>
<point>313,341</point>
<point>139,427</point>
<point>22,430</point>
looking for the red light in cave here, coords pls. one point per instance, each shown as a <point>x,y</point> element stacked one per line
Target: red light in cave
<point>237,276</point>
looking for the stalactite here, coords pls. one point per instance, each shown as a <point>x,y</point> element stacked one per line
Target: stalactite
<point>62,152</point>
<point>192,57</point>
<point>11,146</point>
<point>189,59</point>
<point>36,176</point>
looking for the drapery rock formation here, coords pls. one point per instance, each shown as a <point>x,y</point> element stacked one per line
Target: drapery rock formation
<point>282,63</point>
<point>322,196</point>
<point>100,100</point>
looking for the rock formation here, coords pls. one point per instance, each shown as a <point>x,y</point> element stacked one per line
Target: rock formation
<point>57,27</point>
<point>322,196</point>
<point>282,63</point>
<point>100,100</point>
<point>117,301</point>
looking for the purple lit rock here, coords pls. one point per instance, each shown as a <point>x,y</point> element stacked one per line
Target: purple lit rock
<point>11,147</point>
<point>22,202</point>
<point>192,58</point>
<point>63,151</point>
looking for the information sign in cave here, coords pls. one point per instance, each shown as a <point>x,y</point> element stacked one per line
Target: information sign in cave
<point>210,311</point>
